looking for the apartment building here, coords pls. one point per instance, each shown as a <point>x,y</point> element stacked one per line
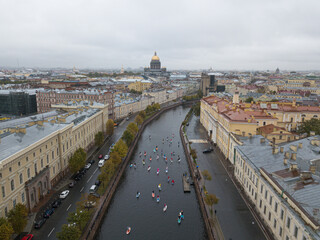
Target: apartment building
<point>282,181</point>
<point>35,152</point>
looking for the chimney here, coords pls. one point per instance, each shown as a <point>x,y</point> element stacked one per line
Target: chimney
<point>313,169</point>
<point>287,154</point>
<point>285,161</point>
<point>262,140</point>
<point>281,149</point>
<point>300,145</point>
<point>275,150</point>
<point>293,166</point>
<point>293,148</point>
<point>294,156</point>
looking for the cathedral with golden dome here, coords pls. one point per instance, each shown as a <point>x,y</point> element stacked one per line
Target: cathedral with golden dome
<point>155,67</point>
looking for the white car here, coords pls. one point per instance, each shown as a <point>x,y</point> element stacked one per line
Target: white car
<point>101,163</point>
<point>106,157</point>
<point>87,166</point>
<point>64,194</point>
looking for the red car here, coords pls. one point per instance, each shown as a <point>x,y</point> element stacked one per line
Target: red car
<point>27,237</point>
<point>100,156</point>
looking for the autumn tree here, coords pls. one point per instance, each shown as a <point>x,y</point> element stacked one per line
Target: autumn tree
<point>109,127</point>
<point>138,120</point>
<point>78,160</point>
<point>18,217</point>
<point>133,128</point>
<point>69,232</point>
<point>211,199</point>
<point>80,218</point>
<point>121,148</point>
<point>142,114</point>
<point>115,158</point>
<point>206,175</point>
<point>127,137</point>
<point>98,138</point>
<point>6,229</point>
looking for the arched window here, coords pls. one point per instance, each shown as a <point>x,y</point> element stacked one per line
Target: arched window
<point>315,116</point>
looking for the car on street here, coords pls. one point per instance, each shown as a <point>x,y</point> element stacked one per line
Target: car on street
<point>209,150</point>
<point>100,156</point>
<point>38,224</point>
<point>98,182</point>
<point>78,176</point>
<point>87,166</point>
<point>71,184</point>
<point>56,203</point>
<point>106,157</point>
<point>91,161</point>
<point>48,213</point>
<point>101,163</point>
<point>28,237</point>
<point>93,188</point>
<point>64,194</point>
<point>83,171</point>
<point>127,118</point>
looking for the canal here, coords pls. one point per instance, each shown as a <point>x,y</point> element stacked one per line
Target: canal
<point>144,215</point>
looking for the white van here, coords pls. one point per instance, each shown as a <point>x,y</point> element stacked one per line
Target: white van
<point>93,189</point>
<point>101,163</point>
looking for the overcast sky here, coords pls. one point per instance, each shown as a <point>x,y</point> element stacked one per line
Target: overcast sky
<point>197,34</point>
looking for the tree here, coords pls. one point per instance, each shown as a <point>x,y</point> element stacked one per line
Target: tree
<point>132,127</point>
<point>115,158</point>
<point>78,160</point>
<point>249,100</point>
<point>80,218</point>
<point>121,148</point>
<point>69,232</point>
<point>6,229</point>
<point>206,175</point>
<point>138,120</point>
<point>310,125</point>
<point>196,109</point>
<point>211,199</point>
<point>127,137</point>
<point>18,217</point>
<point>142,114</point>
<point>109,127</point>
<point>98,138</point>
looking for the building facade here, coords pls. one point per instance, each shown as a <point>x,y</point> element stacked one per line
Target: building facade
<point>17,102</point>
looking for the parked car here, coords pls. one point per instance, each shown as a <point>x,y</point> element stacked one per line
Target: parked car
<point>209,150</point>
<point>95,194</point>
<point>106,157</point>
<point>48,213</point>
<point>27,237</point>
<point>100,156</point>
<point>87,166</point>
<point>83,171</point>
<point>77,177</point>
<point>71,184</point>
<point>101,163</point>
<point>56,203</point>
<point>93,189</point>
<point>64,194</point>
<point>127,118</point>
<point>98,182</point>
<point>91,161</point>
<point>38,224</point>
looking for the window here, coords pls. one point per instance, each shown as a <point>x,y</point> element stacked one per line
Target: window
<point>274,223</point>
<point>22,197</point>
<point>260,205</point>
<point>21,178</point>
<point>35,168</point>
<point>266,195</point>
<point>3,192</point>
<point>12,185</point>
<point>34,154</point>
<point>287,238</point>
<point>27,159</point>
<point>19,164</point>
<point>14,202</point>
<point>269,217</point>
<point>28,173</point>
<point>6,211</point>
<point>270,200</point>
<point>282,213</point>
<point>10,169</point>
<point>52,154</point>
<point>288,222</point>
<point>264,210</point>
<point>295,231</point>
<point>41,163</point>
<point>47,159</point>
<point>261,189</point>
<point>280,231</point>
<point>275,206</point>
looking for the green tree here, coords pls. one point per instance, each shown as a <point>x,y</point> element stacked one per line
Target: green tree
<point>149,109</point>
<point>128,137</point>
<point>211,199</point>
<point>132,127</point>
<point>196,109</point>
<point>249,100</point>
<point>121,148</point>
<point>80,218</point>
<point>109,127</point>
<point>98,138</point>
<point>310,125</point>
<point>69,232</point>
<point>206,175</point>
<point>115,158</point>
<point>142,114</point>
<point>199,94</point>
<point>138,120</point>
<point>18,217</point>
<point>6,229</point>
<point>78,160</point>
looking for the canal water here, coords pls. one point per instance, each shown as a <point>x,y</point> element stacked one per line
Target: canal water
<point>144,215</point>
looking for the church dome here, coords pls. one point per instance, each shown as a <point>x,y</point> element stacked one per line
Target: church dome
<point>155,57</point>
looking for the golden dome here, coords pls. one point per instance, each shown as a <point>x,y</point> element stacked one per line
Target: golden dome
<point>155,57</point>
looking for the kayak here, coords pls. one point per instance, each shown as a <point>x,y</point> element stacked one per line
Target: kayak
<point>143,162</point>
<point>158,171</point>
<point>149,168</point>
<point>166,169</point>
<point>158,199</point>
<point>128,230</point>
<point>153,195</point>
<point>138,195</point>
<point>165,207</point>
<point>179,220</point>
<point>131,165</point>
<point>159,187</point>
<point>179,160</point>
